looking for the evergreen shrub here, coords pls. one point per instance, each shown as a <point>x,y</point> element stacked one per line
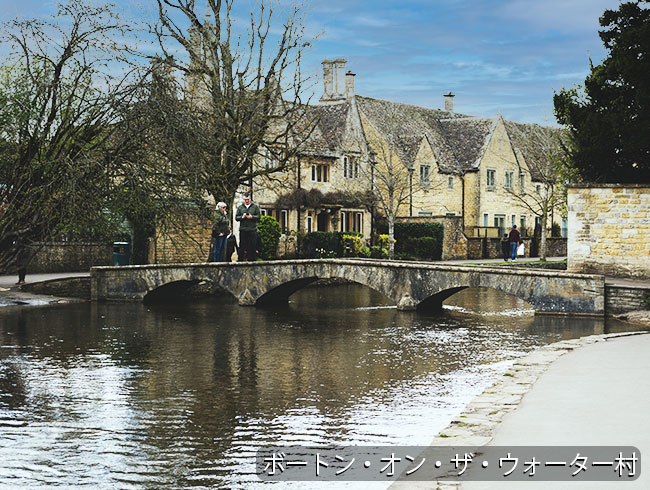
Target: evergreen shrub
<point>270,231</point>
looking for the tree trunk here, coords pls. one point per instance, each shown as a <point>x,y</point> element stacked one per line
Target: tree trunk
<point>391,236</point>
<point>542,241</point>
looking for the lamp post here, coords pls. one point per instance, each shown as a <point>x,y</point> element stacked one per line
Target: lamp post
<point>411,169</point>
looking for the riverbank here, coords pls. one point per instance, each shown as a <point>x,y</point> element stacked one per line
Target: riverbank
<point>590,391</point>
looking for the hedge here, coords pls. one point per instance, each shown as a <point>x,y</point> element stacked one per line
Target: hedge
<point>408,239</point>
<point>319,244</point>
<point>270,231</point>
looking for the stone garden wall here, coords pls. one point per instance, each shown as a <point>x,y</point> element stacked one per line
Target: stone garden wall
<point>609,230</point>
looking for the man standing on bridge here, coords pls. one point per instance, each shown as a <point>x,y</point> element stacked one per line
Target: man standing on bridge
<point>515,239</point>
<point>248,214</point>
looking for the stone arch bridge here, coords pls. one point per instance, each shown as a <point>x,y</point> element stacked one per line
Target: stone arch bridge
<point>410,285</point>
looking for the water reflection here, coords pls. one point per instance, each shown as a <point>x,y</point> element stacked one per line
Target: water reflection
<point>177,396</point>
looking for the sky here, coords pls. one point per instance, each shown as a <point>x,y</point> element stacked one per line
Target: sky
<point>496,56</point>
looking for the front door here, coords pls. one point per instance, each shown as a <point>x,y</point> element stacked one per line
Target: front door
<point>323,221</point>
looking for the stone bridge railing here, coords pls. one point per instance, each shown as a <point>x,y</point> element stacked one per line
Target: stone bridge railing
<point>409,284</point>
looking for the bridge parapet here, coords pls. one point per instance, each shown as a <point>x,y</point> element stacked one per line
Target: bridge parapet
<point>409,284</point>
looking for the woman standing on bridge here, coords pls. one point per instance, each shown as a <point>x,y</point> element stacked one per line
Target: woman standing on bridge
<point>219,232</point>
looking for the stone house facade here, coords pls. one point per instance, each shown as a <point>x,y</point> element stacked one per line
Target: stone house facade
<point>482,170</point>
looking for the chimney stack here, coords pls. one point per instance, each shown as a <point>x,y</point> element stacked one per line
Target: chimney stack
<point>349,85</point>
<point>335,81</point>
<point>449,102</point>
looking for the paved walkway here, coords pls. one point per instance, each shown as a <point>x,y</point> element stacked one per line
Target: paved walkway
<point>596,395</point>
<point>9,282</point>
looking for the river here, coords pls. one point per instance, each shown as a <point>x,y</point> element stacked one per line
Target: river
<point>181,394</point>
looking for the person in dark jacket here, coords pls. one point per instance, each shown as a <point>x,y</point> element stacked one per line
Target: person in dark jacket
<point>220,229</point>
<point>505,247</point>
<point>22,258</point>
<point>515,239</point>
<point>248,214</point>
<point>231,245</point>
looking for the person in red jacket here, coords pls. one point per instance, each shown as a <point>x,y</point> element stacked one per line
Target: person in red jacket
<point>515,239</point>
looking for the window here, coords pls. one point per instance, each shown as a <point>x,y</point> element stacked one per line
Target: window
<point>538,189</point>
<point>425,174</point>
<point>352,221</point>
<point>425,213</point>
<point>522,224</point>
<point>320,172</point>
<point>273,158</point>
<point>450,182</point>
<point>513,220</point>
<point>350,167</point>
<point>522,183</point>
<point>491,178</point>
<point>263,212</point>
<point>500,222</point>
<point>284,220</point>
<point>509,180</point>
<point>310,223</point>
<point>485,219</point>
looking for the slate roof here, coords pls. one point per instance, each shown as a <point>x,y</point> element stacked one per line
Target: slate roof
<point>534,142</point>
<point>329,133</point>
<point>458,141</point>
<point>408,125</point>
<point>468,137</point>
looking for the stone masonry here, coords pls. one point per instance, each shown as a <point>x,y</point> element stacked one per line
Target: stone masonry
<point>409,285</point>
<point>609,230</point>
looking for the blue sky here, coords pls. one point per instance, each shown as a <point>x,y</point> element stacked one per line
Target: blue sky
<point>503,56</point>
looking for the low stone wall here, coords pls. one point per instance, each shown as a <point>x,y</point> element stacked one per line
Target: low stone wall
<point>69,256</point>
<point>623,299</point>
<point>609,229</point>
<point>185,240</point>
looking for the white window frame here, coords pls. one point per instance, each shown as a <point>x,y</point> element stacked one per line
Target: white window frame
<point>490,178</point>
<point>425,174</point>
<point>509,175</point>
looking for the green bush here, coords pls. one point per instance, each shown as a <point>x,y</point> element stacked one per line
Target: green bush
<point>365,252</point>
<point>377,252</point>
<point>270,231</point>
<point>426,247</point>
<point>352,244</point>
<point>382,241</point>
<point>409,235</point>
<point>322,243</point>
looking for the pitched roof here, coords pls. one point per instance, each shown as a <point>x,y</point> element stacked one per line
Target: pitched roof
<point>407,126</point>
<point>329,133</point>
<point>534,143</point>
<point>468,138</point>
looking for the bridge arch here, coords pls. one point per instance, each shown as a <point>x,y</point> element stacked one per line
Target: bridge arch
<point>409,285</point>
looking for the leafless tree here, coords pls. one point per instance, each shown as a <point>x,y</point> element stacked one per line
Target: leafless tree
<point>241,95</point>
<point>547,192</point>
<point>59,101</point>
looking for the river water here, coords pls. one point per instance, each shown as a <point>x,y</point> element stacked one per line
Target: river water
<point>180,395</point>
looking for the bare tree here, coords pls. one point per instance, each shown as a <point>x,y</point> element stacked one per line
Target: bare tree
<point>548,192</point>
<point>242,94</point>
<point>58,108</point>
